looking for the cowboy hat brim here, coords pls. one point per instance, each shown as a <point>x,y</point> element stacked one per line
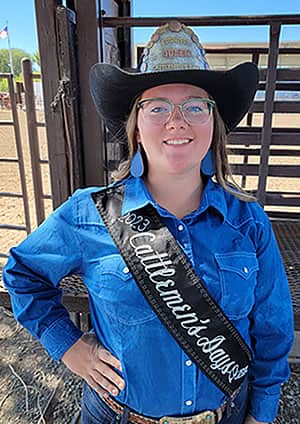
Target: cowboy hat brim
<point>114,90</point>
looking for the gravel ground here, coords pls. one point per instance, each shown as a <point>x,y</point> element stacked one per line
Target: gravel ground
<point>30,381</point>
<point>289,407</point>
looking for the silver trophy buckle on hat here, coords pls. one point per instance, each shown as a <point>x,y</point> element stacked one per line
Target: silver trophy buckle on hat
<point>173,46</point>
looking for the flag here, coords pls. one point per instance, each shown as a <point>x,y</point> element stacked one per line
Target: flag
<point>4,33</point>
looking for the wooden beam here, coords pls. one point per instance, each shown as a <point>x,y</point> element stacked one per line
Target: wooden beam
<point>291,171</point>
<point>266,135</point>
<point>249,50</point>
<point>124,37</point>
<point>282,199</point>
<point>47,36</point>
<point>283,137</point>
<point>256,152</point>
<point>282,74</point>
<point>282,86</point>
<point>66,25</point>
<point>33,140</point>
<point>288,106</point>
<point>203,20</point>
<point>88,53</point>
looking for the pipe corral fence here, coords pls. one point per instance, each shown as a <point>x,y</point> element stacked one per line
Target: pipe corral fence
<point>264,152</point>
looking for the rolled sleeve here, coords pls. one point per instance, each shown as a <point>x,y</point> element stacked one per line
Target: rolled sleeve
<point>264,408</point>
<point>59,337</point>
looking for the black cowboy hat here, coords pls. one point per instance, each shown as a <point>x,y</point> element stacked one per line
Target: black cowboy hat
<point>173,55</point>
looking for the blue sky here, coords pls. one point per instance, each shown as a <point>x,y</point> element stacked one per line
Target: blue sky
<point>21,19</point>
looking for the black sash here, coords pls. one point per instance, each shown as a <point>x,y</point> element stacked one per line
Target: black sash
<point>174,291</point>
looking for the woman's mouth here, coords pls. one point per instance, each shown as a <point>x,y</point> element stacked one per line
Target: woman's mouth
<point>178,141</point>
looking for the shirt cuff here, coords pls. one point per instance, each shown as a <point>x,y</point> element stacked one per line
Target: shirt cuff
<point>59,337</point>
<point>264,407</point>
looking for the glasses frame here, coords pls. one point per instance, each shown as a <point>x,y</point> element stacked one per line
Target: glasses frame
<point>180,106</point>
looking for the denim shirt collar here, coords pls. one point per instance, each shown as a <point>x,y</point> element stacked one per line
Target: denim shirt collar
<point>137,196</point>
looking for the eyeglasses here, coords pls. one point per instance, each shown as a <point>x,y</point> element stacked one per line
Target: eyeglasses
<point>195,111</point>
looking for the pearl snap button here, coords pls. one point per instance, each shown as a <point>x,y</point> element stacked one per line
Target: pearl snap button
<point>188,402</point>
<point>125,270</point>
<point>246,270</point>
<point>180,227</point>
<point>188,363</point>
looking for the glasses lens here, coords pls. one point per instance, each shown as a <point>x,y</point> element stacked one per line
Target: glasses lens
<point>196,111</point>
<point>156,110</point>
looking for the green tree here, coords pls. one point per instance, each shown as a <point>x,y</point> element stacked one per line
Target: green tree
<point>3,85</point>
<point>17,56</point>
<point>36,59</point>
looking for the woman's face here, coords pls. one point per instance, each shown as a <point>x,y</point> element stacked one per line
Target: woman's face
<point>174,147</point>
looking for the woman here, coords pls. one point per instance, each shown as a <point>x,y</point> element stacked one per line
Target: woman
<point>190,307</point>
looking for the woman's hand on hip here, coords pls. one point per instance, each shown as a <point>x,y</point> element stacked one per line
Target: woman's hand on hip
<point>91,361</point>
<point>252,420</point>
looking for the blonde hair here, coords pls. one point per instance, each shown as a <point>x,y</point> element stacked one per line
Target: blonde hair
<point>219,141</point>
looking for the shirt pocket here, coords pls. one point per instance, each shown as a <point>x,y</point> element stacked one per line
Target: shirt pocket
<point>238,276</point>
<point>119,294</point>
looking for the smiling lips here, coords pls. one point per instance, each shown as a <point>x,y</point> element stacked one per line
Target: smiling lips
<point>178,142</point>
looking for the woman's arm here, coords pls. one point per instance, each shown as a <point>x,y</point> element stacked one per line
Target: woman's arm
<point>271,327</point>
<point>32,276</point>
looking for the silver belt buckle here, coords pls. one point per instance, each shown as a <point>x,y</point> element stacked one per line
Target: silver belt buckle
<point>207,417</point>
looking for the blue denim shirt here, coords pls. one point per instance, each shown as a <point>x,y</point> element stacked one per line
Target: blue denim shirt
<point>231,246</point>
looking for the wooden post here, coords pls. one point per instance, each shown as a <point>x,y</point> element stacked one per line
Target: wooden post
<point>125,37</point>
<point>66,25</point>
<point>88,42</point>
<point>255,59</point>
<point>33,140</point>
<point>266,135</point>
<point>47,35</point>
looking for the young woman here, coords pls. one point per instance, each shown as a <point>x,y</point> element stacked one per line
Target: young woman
<point>190,307</point>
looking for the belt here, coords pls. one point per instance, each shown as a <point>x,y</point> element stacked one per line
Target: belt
<point>205,417</point>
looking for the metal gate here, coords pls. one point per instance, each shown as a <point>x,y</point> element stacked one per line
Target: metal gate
<point>10,110</point>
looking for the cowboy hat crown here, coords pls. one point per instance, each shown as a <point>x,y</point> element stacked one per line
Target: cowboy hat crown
<point>174,54</point>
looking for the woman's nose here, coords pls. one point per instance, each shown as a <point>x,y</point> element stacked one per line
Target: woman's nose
<point>176,117</point>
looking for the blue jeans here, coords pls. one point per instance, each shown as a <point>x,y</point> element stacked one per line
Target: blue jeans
<point>95,411</point>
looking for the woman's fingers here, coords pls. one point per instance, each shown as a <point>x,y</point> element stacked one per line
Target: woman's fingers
<point>89,359</point>
<point>102,385</point>
<point>108,378</point>
<point>96,386</point>
<point>105,356</point>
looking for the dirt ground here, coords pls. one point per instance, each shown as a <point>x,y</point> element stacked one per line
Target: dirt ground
<point>33,388</point>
